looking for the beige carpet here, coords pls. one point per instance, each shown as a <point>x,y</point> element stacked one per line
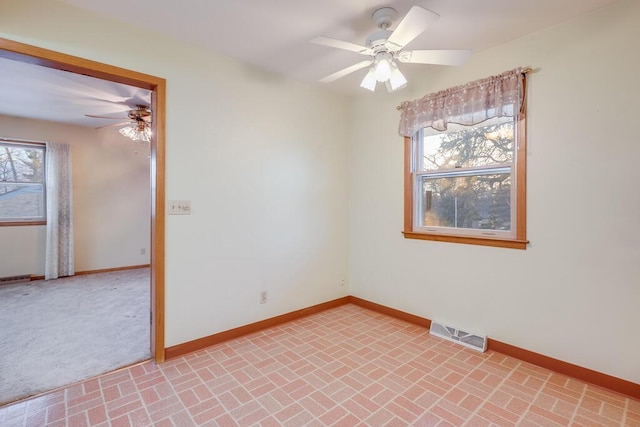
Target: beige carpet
<point>54,333</point>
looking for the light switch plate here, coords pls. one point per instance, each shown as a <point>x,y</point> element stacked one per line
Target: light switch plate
<point>179,207</point>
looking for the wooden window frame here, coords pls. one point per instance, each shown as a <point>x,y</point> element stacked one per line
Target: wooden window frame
<point>520,164</point>
<point>27,222</point>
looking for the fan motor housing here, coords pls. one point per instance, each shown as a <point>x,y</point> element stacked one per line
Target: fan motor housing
<point>377,40</point>
<point>142,111</point>
<point>383,17</point>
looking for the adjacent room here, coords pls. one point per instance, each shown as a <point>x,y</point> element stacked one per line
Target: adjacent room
<point>313,251</point>
<point>90,315</point>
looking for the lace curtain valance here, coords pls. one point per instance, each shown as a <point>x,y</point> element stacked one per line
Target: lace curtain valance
<point>468,104</point>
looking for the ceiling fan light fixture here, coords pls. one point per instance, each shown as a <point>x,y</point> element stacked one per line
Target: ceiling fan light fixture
<point>397,79</point>
<point>138,131</point>
<point>383,67</point>
<point>369,81</point>
<point>128,131</point>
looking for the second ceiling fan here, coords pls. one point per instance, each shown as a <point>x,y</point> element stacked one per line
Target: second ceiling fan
<point>138,121</point>
<point>385,46</point>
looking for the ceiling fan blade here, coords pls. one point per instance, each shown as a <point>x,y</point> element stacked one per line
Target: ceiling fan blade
<point>345,71</point>
<point>436,57</point>
<point>104,117</point>
<point>112,125</point>
<point>414,23</point>
<point>326,41</point>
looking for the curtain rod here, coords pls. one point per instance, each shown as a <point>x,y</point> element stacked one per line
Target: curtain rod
<point>26,141</point>
<point>527,70</point>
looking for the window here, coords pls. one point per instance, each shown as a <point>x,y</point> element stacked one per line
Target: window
<point>22,183</point>
<point>465,183</point>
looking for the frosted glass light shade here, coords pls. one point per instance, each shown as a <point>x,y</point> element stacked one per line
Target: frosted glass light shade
<point>369,81</point>
<point>397,79</point>
<point>137,132</point>
<point>383,70</point>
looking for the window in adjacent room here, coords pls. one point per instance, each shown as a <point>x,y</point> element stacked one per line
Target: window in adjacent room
<point>22,183</point>
<point>465,163</point>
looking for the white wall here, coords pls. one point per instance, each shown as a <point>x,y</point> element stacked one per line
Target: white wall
<point>574,293</point>
<point>111,200</point>
<point>263,160</point>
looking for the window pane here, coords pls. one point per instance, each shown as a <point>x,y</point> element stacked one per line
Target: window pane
<point>469,146</point>
<point>21,164</point>
<point>21,201</point>
<point>475,202</point>
<point>21,182</point>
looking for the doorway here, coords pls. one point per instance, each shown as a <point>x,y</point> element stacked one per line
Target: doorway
<point>43,57</point>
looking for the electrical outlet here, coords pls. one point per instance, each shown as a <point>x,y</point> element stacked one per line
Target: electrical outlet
<point>263,297</point>
<point>143,251</point>
<point>341,282</point>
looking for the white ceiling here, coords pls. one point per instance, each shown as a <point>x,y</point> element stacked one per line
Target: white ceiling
<point>274,35</point>
<point>37,92</point>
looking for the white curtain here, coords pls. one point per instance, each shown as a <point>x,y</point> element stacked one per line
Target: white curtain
<point>59,251</point>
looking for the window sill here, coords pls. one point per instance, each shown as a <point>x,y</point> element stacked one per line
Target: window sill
<point>482,241</point>
<point>21,223</point>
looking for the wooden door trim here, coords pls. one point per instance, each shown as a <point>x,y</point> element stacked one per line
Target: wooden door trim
<point>35,55</point>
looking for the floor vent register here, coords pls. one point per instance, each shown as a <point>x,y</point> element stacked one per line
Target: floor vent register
<point>466,338</point>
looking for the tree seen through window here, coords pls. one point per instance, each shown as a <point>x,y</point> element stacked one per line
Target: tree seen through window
<point>21,182</point>
<point>468,184</point>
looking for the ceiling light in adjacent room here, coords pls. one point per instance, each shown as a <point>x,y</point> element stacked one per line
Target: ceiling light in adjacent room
<point>137,130</point>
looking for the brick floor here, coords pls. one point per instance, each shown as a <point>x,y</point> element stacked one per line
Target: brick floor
<point>345,366</point>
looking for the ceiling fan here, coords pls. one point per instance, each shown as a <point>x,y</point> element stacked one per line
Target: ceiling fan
<point>386,46</point>
<point>138,124</point>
